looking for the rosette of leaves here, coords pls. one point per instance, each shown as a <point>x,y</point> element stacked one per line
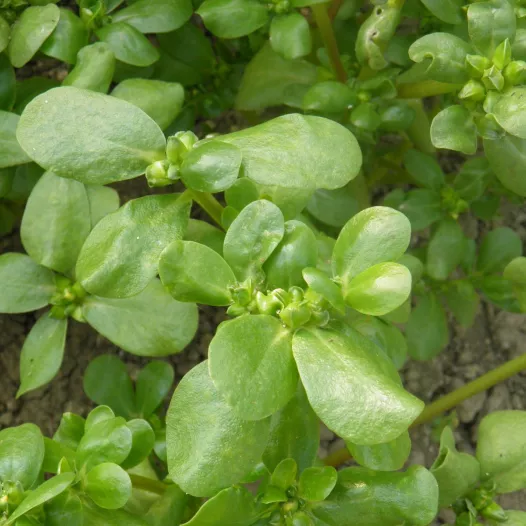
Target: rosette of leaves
<point>57,221</point>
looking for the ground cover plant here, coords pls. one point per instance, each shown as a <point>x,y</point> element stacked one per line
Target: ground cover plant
<point>313,172</point>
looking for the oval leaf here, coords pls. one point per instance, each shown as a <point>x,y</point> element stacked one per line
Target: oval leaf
<point>108,485</point>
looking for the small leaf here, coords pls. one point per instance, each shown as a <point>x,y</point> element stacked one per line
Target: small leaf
<point>67,508</point>
<point>143,442</point>
<point>422,207</point>
<point>284,474</point>
<point>162,101</point>
<point>497,249</point>
<point>259,380</point>
<point>499,291</point>
<point>56,222</point>
<point>252,237</point>
<point>195,273</point>
<point>453,128</point>
<point>11,154</point>
<point>108,485</point>
<point>55,452</point>
<point>26,286</point>
<point>145,226</point>
<point>317,483</point>
<point>445,249</point>
<point>319,282</point>
<point>448,11</point>
<point>198,419</point>
<point>473,178</point>
<point>211,167</point>
<point>70,430</point>
<point>429,313</point>
<point>169,508</point>
<point>463,301</point>
<point>153,383</point>
<point>390,456</point>
<point>232,18</point>
<point>97,415</point>
<point>21,454</point>
<point>30,31</point>
<point>106,382</point>
<point>380,289</point>
<point>128,44</point>
<point>347,379</point>
<point>150,323</point>
<point>329,96</point>
<point>88,136</point>
<point>42,353</point>
<point>155,16</point>
<point>375,235</point>
<point>290,35</point>
<point>424,169</point>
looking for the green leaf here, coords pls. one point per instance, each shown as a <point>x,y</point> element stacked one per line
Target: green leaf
<point>106,441</point>
<point>94,68</point>
<point>121,255</point>
<point>252,237</point>
<point>463,301</point>
<point>271,80</point>
<point>169,509</point>
<point>195,273</point>
<point>429,313</point>
<point>297,151</point>
<point>352,386</point>
<point>88,136</point>
<point>155,16</point>
<point>70,430</point>
<point>66,509</point>
<point>45,492</point>
<point>501,449</point>
<point>422,207</point>
<point>92,515</point>
<point>233,18</point>
<point>453,128</point>
<point>42,353</point>
<point>143,442</point>
<point>490,23</point>
<point>297,250</point>
<point>440,57</point>
<point>448,11</point>
<point>515,518</point>
<point>375,235</point>
<point>11,153</point>
<point>445,249</point>
<point>106,382</point>
<point>199,420</point>
<point>456,473</point>
<point>99,414</point>
<point>108,485</point>
<point>68,38</point>
<point>319,282</point>
<point>290,35</point>
<point>497,249</point>
<point>7,81</point>
<point>205,234</point>
<point>234,506</point>
<point>21,454</point>
<point>424,169</point>
<point>55,452</point>
<point>294,434</point>
<point>211,167</point>
<point>500,292</point>
<point>5,31</point>
<point>316,483</point>
<point>153,384</point>
<point>102,201</point>
<point>26,286</point>
<point>56,222</point>
<point>162,101</point>
<point>472,178</point>
<point>30,31</point>
<point>259,380</point>
<point>380,289</point>
<point>365,497</point>
<point>510,111</point>
<point>284,474</point>
<point>128,44</point>
<point>150,323</point>
<point>390,456</point>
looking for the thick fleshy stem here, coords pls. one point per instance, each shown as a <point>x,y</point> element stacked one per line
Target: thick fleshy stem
<point>209,204</point>
<point>329,40</point>
<point>451,400</point>
<point>146,484</point>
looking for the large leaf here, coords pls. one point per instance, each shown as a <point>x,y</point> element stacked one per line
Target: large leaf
<point>42,353</point>
<point>453,128</point>
<point>56,222</point>
<point>155,16</point>
<point>26,286</point>
<point>290,35</point>
<point>251,364</point>
<point>297,151</point>
<point>121,255</point>
<point>497,249</point>
<point>88,136</point>
<point>103,200</point>
<point>352,386</point>
<point>510,111</point>
<point>199,420</point>
<point>151,323</point>
<point>21,454</point>
<point>10,152</point>
<point>424,169</point>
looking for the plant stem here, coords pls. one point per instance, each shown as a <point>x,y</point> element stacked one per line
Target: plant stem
<point>209,204</point>
<point>146,484</point>
<point>334,8</point>
<point>451,400</point>
<point>329,40</point>
<point>426,88</point>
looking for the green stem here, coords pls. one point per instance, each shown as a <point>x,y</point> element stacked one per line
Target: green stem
<point>451,400</point>
<point>208,203</point>
<point>146,484</point>
<point>329,40</point>
<point>426,88</point>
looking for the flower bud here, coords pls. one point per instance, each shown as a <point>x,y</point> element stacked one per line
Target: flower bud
<point>502,55</point>
<point>493,79</point>
<point>157,174</point>
<point>473,90</point>
<point>476,65</point>
<point>515,72</point>
<point>494,512</point>
<point>179,144</point>
<point>267,304</point>
<point>295,315</point>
